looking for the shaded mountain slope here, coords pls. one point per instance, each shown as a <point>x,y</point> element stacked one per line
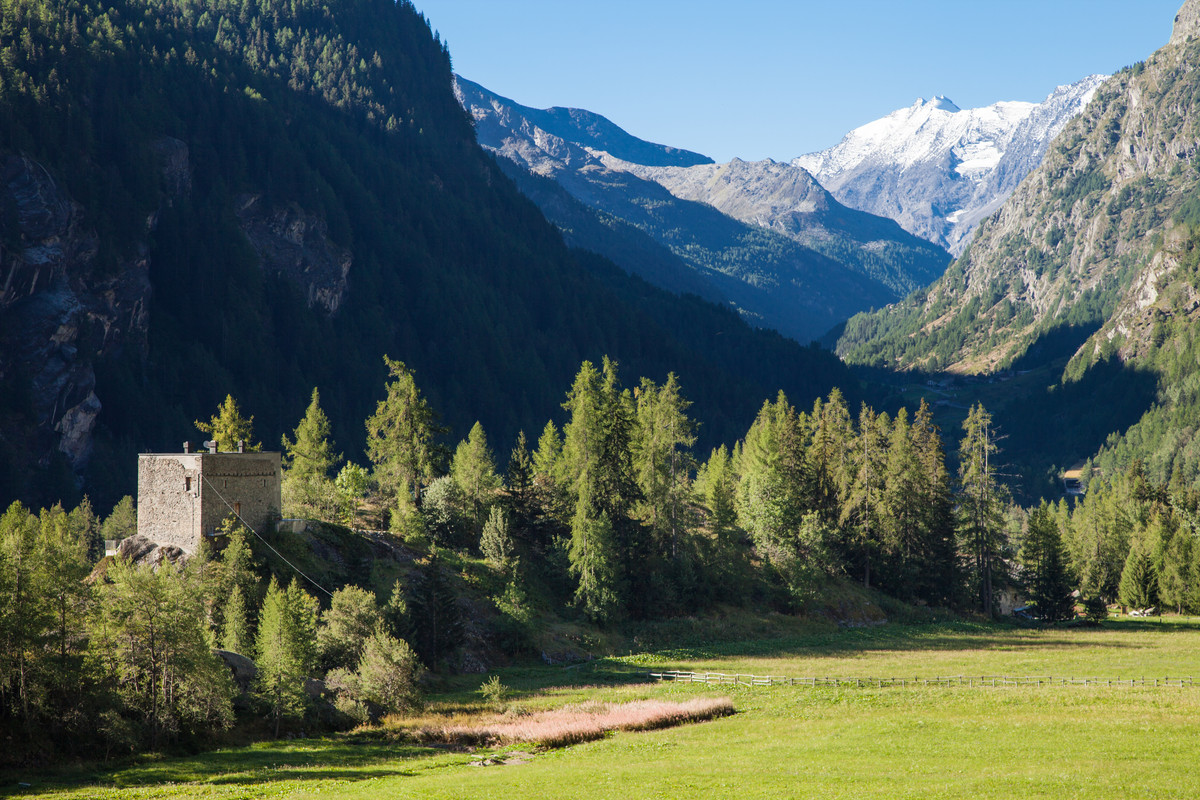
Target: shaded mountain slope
<point>257,199</point>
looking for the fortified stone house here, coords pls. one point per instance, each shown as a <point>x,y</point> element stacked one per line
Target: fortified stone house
<point>183,497</point>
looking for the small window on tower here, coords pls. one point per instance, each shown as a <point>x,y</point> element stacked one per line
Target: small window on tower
<point>237,509</point>
<point>187,483</point>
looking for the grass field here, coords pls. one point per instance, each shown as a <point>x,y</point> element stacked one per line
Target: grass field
<point>1060,742</point>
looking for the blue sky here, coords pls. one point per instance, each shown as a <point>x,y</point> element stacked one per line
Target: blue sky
<point>775,79</point>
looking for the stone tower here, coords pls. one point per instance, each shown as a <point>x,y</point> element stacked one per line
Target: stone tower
<point>183,497</point>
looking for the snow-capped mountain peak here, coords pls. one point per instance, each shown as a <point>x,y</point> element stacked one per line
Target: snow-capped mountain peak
<point>938,169</point>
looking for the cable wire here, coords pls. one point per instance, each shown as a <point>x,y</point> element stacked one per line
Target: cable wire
<point>261,539</point>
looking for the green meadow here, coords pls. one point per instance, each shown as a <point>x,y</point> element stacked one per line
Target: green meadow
<point>784,741</point>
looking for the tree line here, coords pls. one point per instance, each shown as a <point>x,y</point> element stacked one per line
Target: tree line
<point>610,515</point>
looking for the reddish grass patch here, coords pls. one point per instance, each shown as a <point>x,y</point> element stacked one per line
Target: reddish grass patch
<point>580,723</point>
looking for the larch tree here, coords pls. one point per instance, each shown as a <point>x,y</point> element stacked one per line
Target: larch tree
<point>311,454</point>
<point>593,554</point>
<point>664,463</point>
<point>151,635</point>
<point>474,471</point>
<point>286,649</point>
<point>862,505</point>
<point>228,427</point>
<point>24,614</point>
<point>401,439</point>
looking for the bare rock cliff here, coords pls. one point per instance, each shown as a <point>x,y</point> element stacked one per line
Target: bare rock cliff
<point>59,310</point>
<point>1187,22</point>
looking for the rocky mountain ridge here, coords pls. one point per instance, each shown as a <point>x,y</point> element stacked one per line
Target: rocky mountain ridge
<point>786,199</point>
<point>799,268</point>
<point>939,170</point>
<point>1094,261</point>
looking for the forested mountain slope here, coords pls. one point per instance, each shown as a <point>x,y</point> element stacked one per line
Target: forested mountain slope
<point>1097,246</point>
<point>212,198</point>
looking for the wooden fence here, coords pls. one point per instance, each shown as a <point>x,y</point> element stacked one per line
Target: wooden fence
<point>990,681</point>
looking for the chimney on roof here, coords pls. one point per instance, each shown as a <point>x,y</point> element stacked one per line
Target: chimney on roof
<point>211,445</point>
<point>241,445</point>
<point>187,447</point>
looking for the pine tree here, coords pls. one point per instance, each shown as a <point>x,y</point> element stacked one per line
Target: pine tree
<point>228,427</point>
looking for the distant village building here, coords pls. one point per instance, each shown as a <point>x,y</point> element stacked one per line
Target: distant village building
<point>183,497</point>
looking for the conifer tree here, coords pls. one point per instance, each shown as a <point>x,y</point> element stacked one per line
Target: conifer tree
<point>496,541</point>
<point>594,563</point>
<point>519,477</point>
<point>389,673</point>
<point>940,577</point>
<point>434,615</point>
<point>547,458</point>
<point>345,627</point>
<point>24,614</point>
<point>286,649</point>
<point>121,522</point>
<point>311,455</point>
<point>979,521</point>
<point>235,637</point>
<point>1172,558</point>
<point>862,506</point>
<point>474,471</point>
<point>902,521</point>
<point>401,438</point>
<point>828,456</point>
<point>1044,561</point>
<point>772,467</point>
<point>664,462</point>
<point>1139,583</point>
<point>152,637</point>
<point>63,540</point>
<point>717,486</point>
<point>228,427</point>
